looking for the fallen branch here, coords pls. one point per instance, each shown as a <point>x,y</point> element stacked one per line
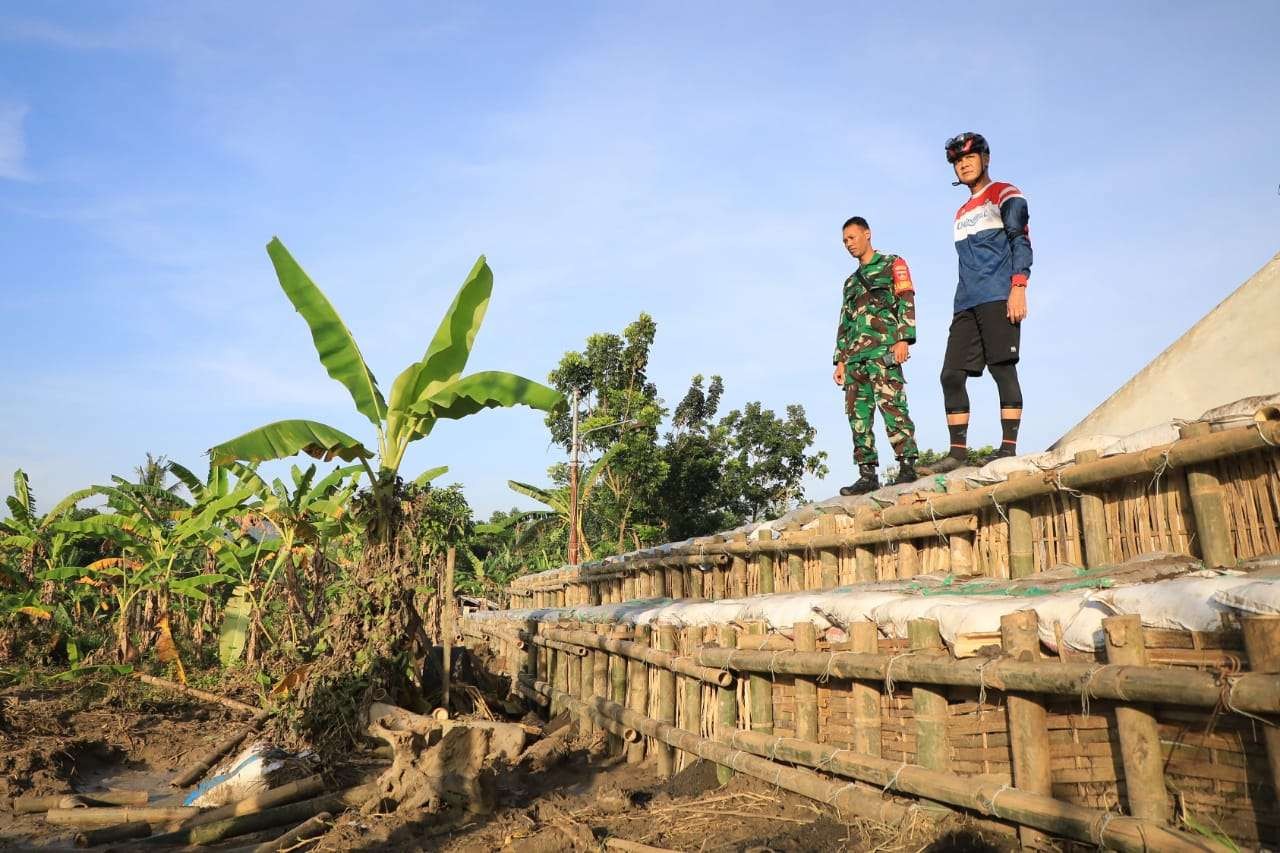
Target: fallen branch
<point>196,693</point>
<point>118,815</point>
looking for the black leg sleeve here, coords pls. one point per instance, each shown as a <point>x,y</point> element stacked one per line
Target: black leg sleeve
<point>954,396</point>
<point>1006,377</point>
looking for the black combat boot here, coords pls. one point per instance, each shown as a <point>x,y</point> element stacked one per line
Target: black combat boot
<point>950,462</point>
<point>906,471</point>
<point>868,482</point>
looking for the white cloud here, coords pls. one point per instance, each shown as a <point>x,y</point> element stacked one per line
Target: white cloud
<point>13,142</point>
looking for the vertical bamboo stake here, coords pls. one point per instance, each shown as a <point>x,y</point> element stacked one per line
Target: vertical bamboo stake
<point>829,558</point>
<point>765,563</point>
<point>586,683</point>
<point>696,582</point>
<point>600,667</point>
<point>865,695</point>
<point>1262,645</point>
<point>760,689</point>
<point>692,693</point>
<point>739,571</point>
<point>629,588</point>
<point>638,692</point>
<point>1028,720</point>
<point>806,637</point>
<point>727,703</point>
<point>559,678</point>
<point>1208,504</point>
<point>1139,733</point>
<point>658,580</point>
<point>448,628</point>
<point>908,552</point>
<point>666,701</point>
<point>796,581</point>
<point>531,650</point>
<point>864,556</point>
<point>1021,553</point>
<point>676,581</point>
<point>719,582</point>
<point>1093,522</point>
<point>618,682</point>
<point>930,702</point>
<point>961,544</point>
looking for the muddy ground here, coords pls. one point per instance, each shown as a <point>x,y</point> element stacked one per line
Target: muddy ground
<point>63,738</point>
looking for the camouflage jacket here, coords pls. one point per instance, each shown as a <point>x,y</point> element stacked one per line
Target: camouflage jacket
<point>879,309</point>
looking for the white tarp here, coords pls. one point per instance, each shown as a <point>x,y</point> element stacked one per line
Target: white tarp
<point>1255,598</point>
<point>1184,604</point>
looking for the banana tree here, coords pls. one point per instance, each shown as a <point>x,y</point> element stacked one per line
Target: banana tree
<point>424,393</point>
<point>34,539</point>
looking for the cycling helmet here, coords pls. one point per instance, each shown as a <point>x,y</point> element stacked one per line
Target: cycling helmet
<point>966,143</point>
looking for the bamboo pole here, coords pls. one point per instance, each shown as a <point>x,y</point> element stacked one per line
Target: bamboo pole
<point>231,827</point>
<point>638,690</point>
<point>1093,521</point>
<point>288,793</point>
<point>585,710</point>
<point>982,795</point>
<point>629,587</point>
<point>764,564</point>
<point>930,703</point>
<point>35,804</point>
<point>806,689</point>
<point>726,702</point>
<point>1208,505</point>
<point>692,693</point>
<point>1262,646</point>
<point>796,580</point>
<point>849,801</point>
<point>829,558</point>
<point>960,543</point>
<point>450,561</point>
<point>618,680</point>
<point>1252,692</point>
<point>1136,723</point>
<point>113,815</point>
<point>696,584</point>
<point>666,700</point>
<point>655,657</point>
<point>311,828</point>
<point>107,834</point>
<point>865,694</point>
<point>759,690</point>
<point>908,554</point>
<point>1176,455</point>
<point>739,569</point>
<point>1021,553</point>
<point>719,583</point>
<point>1028,721</point>
<point>675,581</point>
<point>600,666</point>
<point>586,684</point>
<point>864,556</point>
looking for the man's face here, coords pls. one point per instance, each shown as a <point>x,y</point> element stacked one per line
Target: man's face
<point>857,240</point>
<point>969,168</point>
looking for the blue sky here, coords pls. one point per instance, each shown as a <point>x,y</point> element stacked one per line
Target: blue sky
<point>690,160</point>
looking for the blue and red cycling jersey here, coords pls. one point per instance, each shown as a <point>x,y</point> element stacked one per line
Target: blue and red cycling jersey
<point>994,245</point>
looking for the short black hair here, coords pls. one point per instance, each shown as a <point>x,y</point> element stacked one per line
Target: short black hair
<point>855,220</point>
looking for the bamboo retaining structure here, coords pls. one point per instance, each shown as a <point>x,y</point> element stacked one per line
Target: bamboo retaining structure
<point>1130,747</point>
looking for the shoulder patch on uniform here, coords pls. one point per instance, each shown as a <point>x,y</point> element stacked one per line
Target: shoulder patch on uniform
<point>901,277</point>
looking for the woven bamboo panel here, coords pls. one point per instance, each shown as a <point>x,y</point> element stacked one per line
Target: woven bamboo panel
<point>1251,484</point>
<point>1055,531</point>
<point>1145,515</point>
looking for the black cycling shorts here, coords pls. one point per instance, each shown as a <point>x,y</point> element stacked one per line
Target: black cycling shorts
<point>980,336</point>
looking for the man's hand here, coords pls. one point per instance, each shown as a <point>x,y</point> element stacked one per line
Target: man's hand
<point>901,352</point>
<point>838,375</point>
<point>1017,306</point>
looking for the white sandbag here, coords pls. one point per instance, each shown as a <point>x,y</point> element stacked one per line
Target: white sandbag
<point>1182,604</point>
<point>892,616</point>
<point>846,608</point>
<point>1152,436</point>
<point>1255,598</point>
<point>782,610</point>
<point>686,613</point>
<point>1242,410</point>
<point>1073,617</point>
<point>959,615</point>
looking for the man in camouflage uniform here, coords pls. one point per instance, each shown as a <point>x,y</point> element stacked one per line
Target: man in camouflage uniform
<point>877,327</point>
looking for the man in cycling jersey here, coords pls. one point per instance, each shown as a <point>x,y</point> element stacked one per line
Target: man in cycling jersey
<point>994,248</point>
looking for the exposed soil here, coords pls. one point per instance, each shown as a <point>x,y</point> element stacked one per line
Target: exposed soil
<point>78,738</point>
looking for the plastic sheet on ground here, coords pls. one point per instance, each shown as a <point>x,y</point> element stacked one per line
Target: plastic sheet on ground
<point>246,774</point>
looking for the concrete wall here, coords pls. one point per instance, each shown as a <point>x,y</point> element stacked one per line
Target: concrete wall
<point>1233,352</point>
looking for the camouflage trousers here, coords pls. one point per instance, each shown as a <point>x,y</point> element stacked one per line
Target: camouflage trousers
<point>872,384</point>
